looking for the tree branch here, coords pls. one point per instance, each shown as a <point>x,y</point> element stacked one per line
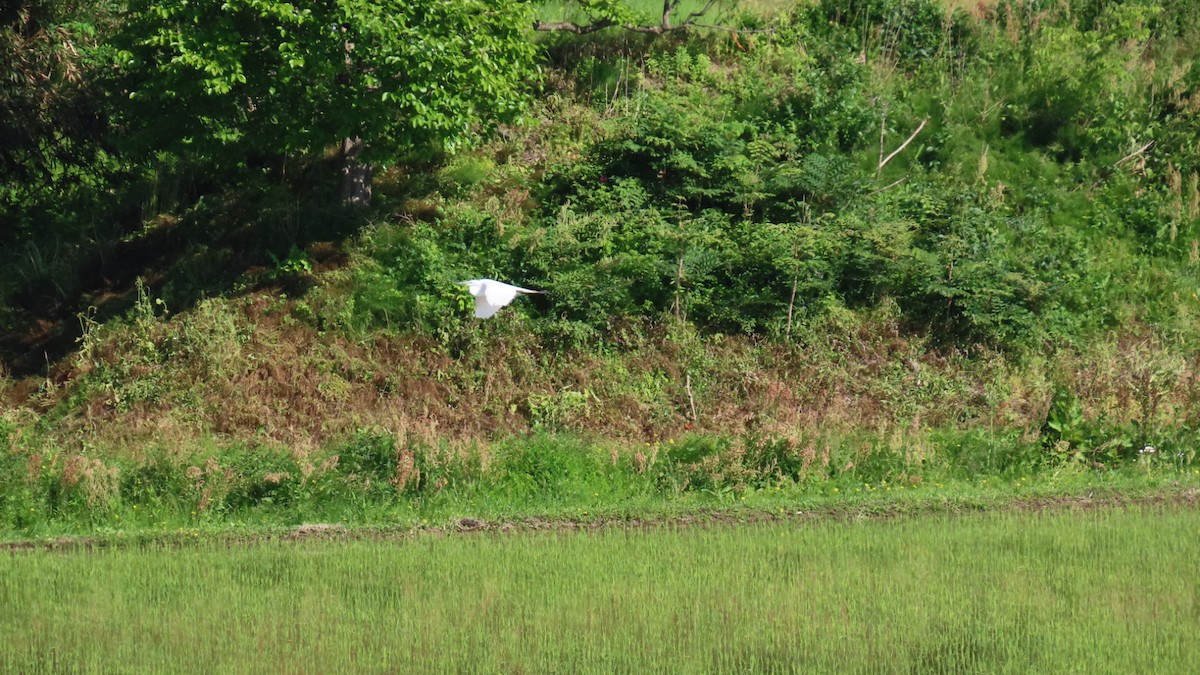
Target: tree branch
<point>663,26</point>
<point>572,27</point>
<point>691,18</point>
<point>730,29</point>
<point>691,399</point>
<point>903,145</point>
<point>668,5</point>
<point>889,186</point>
<point>1133,154</point>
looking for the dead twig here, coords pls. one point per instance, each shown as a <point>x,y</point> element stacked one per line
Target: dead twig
<point>687,384</point>
<point>792,302</point>
<point>904,145</point>
<point>889,186</point>
<point>1133,154</point>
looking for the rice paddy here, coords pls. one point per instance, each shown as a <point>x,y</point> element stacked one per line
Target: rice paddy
<point>1111,590</point>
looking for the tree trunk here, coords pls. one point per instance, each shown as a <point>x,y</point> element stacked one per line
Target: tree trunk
<point>356,176</point>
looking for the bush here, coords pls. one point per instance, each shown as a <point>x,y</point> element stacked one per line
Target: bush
<point>23,488</point>
<point>547,467</point>
<point>910,31</point>
<point>253,477</point>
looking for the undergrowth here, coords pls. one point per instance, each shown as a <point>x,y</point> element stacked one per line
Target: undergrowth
<point>375,478</point>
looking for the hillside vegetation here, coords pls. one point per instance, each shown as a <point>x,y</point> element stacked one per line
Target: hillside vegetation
<point>824,245</point>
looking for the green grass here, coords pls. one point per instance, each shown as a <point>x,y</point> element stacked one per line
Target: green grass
<point>1100,591</point>
<point>370,482</point>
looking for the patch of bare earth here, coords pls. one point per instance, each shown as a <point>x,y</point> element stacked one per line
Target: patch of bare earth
<point>1179,498</point>
<point>316,531</point>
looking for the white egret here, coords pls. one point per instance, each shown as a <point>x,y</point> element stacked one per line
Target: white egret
<point>491,295</point>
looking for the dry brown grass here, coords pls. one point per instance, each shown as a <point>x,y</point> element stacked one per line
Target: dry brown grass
<point>250,372</point>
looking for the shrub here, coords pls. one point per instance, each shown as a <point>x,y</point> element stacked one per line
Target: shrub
<point>259,477</point>
<point>543,466</point>
<point>23,487</point>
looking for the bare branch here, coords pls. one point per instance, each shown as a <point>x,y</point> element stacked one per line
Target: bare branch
<point>657,30</point>
<point>904,145</point>
<point>691,18</point>
<point>730,29</point>
<point>663,26</point>
<point>889,186</point>
<point>572,27</point>
<point>691,399</point>
<point>1133,154</point>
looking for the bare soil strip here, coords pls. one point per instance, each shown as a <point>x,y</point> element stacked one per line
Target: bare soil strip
<point>331,532</point>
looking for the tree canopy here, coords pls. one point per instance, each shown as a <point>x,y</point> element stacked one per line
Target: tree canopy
<point>217,76</point>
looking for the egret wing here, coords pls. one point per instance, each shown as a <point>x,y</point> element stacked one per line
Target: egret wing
<point>499,294</point>
<point>483,310</point>
<point>491,295</point>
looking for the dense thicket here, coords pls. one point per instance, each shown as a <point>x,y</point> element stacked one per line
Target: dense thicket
<point>739,182</point>
<point>733,180</point>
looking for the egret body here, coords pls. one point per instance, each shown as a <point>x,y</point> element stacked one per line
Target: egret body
<point>490,295</point>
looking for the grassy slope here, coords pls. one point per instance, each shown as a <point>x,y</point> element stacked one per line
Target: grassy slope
<point>342,381</point>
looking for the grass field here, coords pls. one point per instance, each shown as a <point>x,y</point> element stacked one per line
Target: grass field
<point>1110,590</point>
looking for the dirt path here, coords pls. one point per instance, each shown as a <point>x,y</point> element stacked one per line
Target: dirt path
<point>1167,498</point>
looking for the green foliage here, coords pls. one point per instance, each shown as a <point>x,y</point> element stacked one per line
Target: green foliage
<point>370,459</point>
<point>22,487</point>
<point>547,467</point>
<point>733,183</point>
<point>371,477</point>
<point>408,277</point>
<point>601,14</point>
<point>1080,84</point>
<point>52,122</point>
<point>980,273</point>
<point>1065,421</point>
<point>557,411</point>
<point>1071,436</point>
<point>160,481</point>
<point>988,452</point>
<point>58,176</point>
<point>911,31</point>
<point>696,463</point>
<point>467,171</point>
<point>219,77</point>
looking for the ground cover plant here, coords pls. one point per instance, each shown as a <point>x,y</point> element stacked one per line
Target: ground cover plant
<point>1109,590</point>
